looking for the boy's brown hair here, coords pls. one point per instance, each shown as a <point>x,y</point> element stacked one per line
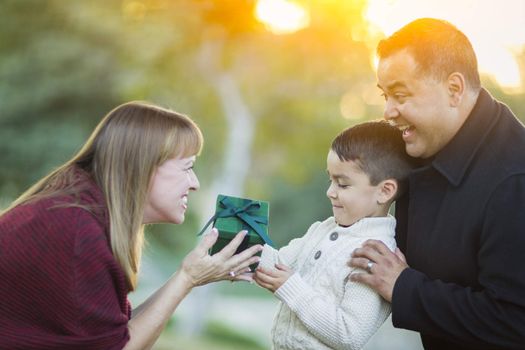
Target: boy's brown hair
<point>378,149</point>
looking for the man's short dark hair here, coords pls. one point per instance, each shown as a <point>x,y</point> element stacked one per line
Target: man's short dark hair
<point>438,47</point>
<point>378,149</point>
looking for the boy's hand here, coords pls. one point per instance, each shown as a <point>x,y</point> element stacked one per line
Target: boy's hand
<point>272,279</point>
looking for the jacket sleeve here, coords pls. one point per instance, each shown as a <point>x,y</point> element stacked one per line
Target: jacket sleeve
<point>494,314</point>
<point>288,254</point>
<point>345,324</point>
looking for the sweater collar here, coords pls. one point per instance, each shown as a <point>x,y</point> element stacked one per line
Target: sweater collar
<point>455,158</point>
<point>365,226</point>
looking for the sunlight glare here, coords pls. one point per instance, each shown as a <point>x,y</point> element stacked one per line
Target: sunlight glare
<point>496,31</point>
<point>282,16</point>
<point>351,106</point>
<point>134,10</point>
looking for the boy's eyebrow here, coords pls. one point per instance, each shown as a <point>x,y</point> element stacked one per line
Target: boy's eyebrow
<point>338,176</point>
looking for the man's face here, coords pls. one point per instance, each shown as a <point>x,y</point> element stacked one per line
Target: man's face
<point>418,104</point>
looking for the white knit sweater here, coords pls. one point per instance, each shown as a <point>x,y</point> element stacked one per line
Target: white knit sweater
<point>320,307</point>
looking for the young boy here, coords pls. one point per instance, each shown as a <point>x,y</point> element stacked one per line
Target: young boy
<point>320,307</point>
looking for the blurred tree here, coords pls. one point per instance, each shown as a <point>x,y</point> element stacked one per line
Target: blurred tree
<point>55,82</point>
<point>66,55</point>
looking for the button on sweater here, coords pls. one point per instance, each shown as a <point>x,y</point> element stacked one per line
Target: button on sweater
<point>320,307</point>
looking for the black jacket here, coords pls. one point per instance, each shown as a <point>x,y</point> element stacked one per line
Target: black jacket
<point>462,229</point>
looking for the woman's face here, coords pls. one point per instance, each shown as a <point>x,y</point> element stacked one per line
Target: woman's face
<point>167,198</point>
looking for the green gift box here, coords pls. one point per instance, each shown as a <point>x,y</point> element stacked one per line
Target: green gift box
<point>233,214</point>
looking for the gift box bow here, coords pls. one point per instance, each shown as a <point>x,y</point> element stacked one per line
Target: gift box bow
<point>246,213</point>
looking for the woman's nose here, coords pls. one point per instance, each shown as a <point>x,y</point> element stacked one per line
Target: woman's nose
<point>194,183</point>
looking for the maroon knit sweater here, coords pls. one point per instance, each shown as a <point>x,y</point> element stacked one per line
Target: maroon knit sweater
<point>60,286</point>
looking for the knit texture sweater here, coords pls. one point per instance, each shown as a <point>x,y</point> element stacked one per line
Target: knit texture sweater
<point>60,286</point>
<point>320,307</point>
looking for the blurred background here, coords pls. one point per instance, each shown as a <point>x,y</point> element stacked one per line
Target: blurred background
<point>270,83</point>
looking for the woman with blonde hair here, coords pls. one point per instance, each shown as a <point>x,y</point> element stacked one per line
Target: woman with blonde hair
<point>70,246</point>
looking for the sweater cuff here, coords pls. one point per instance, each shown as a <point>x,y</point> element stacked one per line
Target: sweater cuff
<point>404,296</point>
<point>294,292</point>
<point>267,260</point>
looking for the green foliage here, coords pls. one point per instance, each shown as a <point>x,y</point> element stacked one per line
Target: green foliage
<point>55,83</point>
<point>65,64</point>
<point>514,101</point>
<point>173,240</point>
<point>243,289</point>
<point>302,205</point>
<point>220,333</point>
<point>219,337</point>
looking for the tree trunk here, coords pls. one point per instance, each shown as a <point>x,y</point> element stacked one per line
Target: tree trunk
<point>232,176</point>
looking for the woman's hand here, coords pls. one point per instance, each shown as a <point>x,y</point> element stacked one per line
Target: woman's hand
<point>199,268</point>
<point>272,279</point>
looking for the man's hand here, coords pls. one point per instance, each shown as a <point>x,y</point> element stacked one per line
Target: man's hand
<point>272,279</point>
<point>382,265</point>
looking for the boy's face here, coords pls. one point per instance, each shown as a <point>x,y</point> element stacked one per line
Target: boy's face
<point>350,191</point>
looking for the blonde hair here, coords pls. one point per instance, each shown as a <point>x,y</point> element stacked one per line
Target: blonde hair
<point>121,155</point>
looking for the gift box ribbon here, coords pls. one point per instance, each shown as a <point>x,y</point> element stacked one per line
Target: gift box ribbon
<point>244,213</point>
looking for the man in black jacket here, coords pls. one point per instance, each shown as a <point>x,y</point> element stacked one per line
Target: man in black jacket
<point>461,225</point>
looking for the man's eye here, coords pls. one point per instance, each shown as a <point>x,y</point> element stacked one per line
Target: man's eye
<point>343,186</point>
<point>400,96</point>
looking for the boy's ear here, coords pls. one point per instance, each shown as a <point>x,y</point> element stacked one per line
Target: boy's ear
<point>387,191</point>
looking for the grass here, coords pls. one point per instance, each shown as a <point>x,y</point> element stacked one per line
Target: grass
<point>216,337</point>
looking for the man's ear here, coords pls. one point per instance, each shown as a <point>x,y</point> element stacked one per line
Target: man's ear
<point>456,88</point>
<point>387,190</point>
